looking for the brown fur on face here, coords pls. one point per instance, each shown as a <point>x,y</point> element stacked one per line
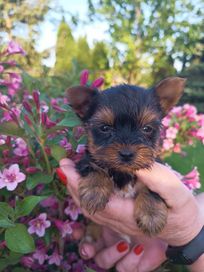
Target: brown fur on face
<point>108,156</point>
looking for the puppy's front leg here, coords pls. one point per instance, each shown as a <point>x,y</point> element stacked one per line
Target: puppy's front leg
<point>150,212</point>
<point>95,188</point>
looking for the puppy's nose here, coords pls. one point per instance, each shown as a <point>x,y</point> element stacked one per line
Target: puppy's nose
<point>126,155</point>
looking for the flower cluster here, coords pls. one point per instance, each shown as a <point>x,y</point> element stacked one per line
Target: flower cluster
<point>181,127</point>
<point>35,133</point>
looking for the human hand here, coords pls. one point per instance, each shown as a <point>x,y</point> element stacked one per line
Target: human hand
<point>185,215</point>
<point>111,251</point>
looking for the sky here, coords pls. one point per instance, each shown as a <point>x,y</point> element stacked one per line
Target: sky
<point>96,31</point>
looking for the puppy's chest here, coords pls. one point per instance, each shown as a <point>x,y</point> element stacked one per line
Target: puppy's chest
<point>125,184</point>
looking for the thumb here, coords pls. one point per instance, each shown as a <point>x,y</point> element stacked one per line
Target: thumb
<point>161,180</point>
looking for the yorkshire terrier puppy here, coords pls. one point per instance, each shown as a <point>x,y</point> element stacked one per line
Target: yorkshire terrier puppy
<point>123,125</point>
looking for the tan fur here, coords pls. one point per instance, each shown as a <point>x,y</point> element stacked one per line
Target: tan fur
<point>150,213</point>
<point>95,190</point>
<point>169,92</point>
<point>147,116</point>
<point>104,116</point>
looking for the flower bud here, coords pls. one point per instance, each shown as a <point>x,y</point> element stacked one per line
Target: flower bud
<point>32,170</point>
<point>84,77</point>
<point>28,121</point>
<point>27,107</point>
<point>44,118</point>
<point>36,98</point>
<point>98,82</point>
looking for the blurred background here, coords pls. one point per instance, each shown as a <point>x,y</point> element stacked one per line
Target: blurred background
<point>134,41</point>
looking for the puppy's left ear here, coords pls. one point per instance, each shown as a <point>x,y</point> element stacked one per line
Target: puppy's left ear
<point>80,99</point>
<point>169,91</point>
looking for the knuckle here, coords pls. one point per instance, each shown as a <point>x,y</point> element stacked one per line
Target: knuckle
<point>103,263</point>
<point>121,268</point>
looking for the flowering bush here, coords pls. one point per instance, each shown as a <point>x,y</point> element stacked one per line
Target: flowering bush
<point>182,126</point>
<point>38,220</point>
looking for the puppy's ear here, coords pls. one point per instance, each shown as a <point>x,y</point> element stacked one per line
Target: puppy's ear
<point>169,91</point>
<point>80,99</point>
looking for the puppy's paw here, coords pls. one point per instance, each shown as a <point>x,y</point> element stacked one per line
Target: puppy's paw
<point>150,214</point>
<point>94,192</point>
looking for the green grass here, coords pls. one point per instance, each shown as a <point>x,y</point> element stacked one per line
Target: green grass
<point>195,157</point>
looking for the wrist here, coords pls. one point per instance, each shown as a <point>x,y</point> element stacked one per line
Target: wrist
<point>198,265</point>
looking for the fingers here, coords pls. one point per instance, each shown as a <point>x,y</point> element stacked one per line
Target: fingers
<point>68,168</point>
<point>87,250</point>
<point>108,257</point>
<point>131,261</point>
<point>163,181</point>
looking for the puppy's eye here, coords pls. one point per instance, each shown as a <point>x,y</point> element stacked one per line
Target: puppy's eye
<point>105,128</point>
<point>147,129</point>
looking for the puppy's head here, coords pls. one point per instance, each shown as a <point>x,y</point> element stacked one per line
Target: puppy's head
<point>123,122</point>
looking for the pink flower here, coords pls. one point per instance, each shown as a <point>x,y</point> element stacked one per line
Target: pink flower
<point>39,224</point>
<point>21,150</point>
<point>9,115</point>
<point>177,148</point>
<point>64,227</point>
<point>50,202</point>
<point>2,139</point>
<point>40,255</point>
<point>167,144</point>
<point>14,48</point>
<point>190,111</point>
<point>200,133</point>
<point>1,68</point>
<point>171,132</point>
<point>55,258</point>
<point>10,177</point>
<point>192,179</point>
<point>27,261</point>
<point>4,99</point>
<point>166,121</point>
<point>176,111</point>
<point>65,144</point>
<point>72,210</point>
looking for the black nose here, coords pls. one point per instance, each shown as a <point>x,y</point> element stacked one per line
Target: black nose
<point>126,155</point>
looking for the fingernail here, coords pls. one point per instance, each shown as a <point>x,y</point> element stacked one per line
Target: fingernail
<point>61,176</point>
<point>122,246</point>
<point>83,252</point>
<point>138,249</point>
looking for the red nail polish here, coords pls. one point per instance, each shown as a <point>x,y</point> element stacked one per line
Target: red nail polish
<point>122,246</point>
<point>138,249</point>
<point>61,176</point>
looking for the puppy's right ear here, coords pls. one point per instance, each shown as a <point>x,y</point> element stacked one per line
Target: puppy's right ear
<point>80,99</point>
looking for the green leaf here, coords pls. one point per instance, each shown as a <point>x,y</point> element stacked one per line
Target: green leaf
<point>26,206</point>
<point>19,240</point>
<point>11,129</point>
<point>12,259</point>
<point>6,215</point>
<point>70,120</point>
<point>82,139</point>
<point>19,269</point>
<point>38,178</point>
<point>58,152</point>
